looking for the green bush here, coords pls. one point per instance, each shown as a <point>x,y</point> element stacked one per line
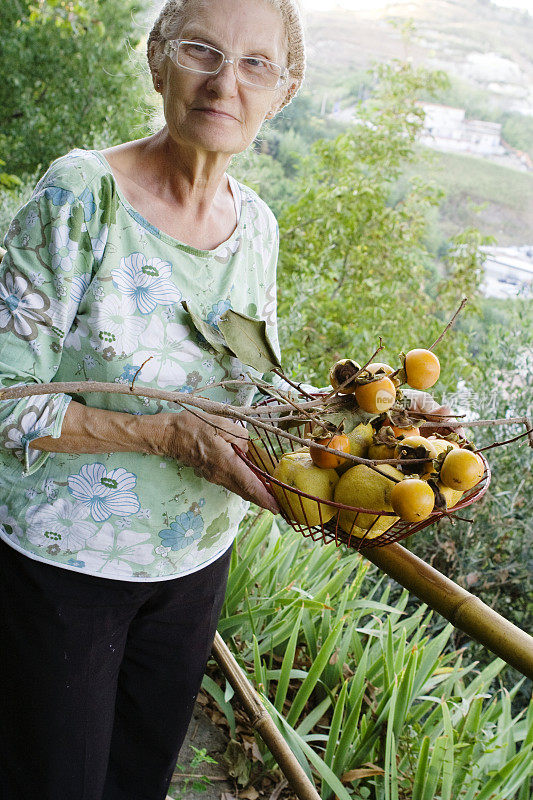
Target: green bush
<point>66,82</point>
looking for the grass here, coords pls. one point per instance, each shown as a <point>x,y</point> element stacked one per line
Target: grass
<point>496,199</point>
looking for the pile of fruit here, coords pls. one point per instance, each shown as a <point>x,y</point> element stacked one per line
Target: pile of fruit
<point>428,474</point>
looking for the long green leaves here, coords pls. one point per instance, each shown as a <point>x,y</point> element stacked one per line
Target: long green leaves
<point>358,688</point>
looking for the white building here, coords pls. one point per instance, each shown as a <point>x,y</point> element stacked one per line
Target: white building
<point>446,128</point>
<point>508,271</point>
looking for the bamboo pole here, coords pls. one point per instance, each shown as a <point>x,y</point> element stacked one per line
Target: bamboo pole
<point>262,722</point>
<point>465,611</point>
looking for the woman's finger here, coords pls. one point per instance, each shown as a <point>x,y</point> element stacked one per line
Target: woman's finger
<point>240,479</point>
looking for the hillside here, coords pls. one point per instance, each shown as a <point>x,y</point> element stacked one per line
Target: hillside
<point>497,200</point>
<point>486,51</point>
<point>484,46</point>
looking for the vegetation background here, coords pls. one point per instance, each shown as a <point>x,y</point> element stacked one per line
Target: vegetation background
<point>379,237</point>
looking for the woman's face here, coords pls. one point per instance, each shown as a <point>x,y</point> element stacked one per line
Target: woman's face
<point>216,113</point>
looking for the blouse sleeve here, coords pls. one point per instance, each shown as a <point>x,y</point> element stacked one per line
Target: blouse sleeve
<point>43,276</point>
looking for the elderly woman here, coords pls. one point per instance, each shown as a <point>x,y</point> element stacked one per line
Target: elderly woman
<point>117,514</point>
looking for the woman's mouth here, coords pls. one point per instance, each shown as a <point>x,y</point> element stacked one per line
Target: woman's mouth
<point>213,112</point>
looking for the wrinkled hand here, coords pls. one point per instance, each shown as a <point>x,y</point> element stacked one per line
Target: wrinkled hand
<point>194,441</point>
<point>423,402</point>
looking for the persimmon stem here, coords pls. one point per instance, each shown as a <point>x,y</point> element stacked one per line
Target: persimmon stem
<point>464,301</point>
<point>471,423</point>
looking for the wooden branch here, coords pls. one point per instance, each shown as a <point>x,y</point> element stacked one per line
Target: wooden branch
<point>262,722</point>
<point>184,400</point>
<point>462,609</point>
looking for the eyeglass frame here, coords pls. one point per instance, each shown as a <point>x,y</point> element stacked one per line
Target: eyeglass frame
<point>172,45</point>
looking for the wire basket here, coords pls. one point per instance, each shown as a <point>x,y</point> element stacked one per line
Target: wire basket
<point>328,529</point>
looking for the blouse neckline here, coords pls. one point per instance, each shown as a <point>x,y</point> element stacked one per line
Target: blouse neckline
<point>166,237</point>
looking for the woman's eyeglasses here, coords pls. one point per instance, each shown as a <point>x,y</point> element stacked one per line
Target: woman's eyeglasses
<point>251,70</point>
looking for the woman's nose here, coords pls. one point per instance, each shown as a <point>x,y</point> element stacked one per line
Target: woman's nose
<point>225,81</point>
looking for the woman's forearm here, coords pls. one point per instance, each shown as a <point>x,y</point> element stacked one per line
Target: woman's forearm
<point>95,430</point>
<point>197,440</point>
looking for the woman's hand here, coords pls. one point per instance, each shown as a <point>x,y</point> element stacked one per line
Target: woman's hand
<point>425,404</point>
<point>193,440</point>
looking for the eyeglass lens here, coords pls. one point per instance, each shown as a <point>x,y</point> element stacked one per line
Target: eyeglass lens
<point>203,58</point>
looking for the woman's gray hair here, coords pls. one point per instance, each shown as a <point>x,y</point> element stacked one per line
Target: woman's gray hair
<point>170,17</point>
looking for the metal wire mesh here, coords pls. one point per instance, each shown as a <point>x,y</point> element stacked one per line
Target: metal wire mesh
<point>307,507</point>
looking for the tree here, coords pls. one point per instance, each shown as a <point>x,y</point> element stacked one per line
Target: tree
<point>64,85</point>
<point>354,265</point>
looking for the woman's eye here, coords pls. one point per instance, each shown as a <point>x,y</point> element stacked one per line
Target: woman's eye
<point>255,63</point>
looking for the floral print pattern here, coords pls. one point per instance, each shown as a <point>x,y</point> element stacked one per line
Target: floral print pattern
<point>145,283</point>
<point>62,523</point>
<point>105,493</point>
<point>9,526</point>
<point>90,291</point>
<point>115,553</point>
<point>31,422</point>
<point>167,347</point>
<point>62,249</point>
<point>112,326</point>
<point>22,306</point>
<point>184,531</point>
<point>213,318</point>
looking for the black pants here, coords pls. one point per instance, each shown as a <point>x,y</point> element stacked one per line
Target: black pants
<point>98,678</point>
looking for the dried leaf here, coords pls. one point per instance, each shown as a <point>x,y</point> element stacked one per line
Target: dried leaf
<point>248,339</point>
<point>249,794</point>
<point>256,753</point>
<point>362,772</point>
<point>210,334</point>
<point>227,796</point>
<point>471,579</point>
<point>238,765</point>
<point>278,790</point>
<point>385,435</point>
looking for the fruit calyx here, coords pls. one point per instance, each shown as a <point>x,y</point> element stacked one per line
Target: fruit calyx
<point>415,448</point>
<point>385,435</point>
<point>342,374</point>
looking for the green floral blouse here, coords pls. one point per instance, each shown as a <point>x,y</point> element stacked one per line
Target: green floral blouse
<point>89,290</point>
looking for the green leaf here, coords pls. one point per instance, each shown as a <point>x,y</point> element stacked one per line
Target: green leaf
<point>323,770</point>
<point>308,723</point>
<point>336,723</point>
<point>286,667</point>
<point>420,774</point>
<point>248,339</point>
<point>434,769</point>
<point>349,731</point>
<point>314,674</point>
<point>210,334</point>
<point>333,735</point>
<point>509,778</point>
<point>390,776</point>
<point>405,693</point>
<point>218,696</point>
<point>447,768</point>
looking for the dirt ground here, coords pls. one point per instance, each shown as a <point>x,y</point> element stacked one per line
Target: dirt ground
<point>208,731</point>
